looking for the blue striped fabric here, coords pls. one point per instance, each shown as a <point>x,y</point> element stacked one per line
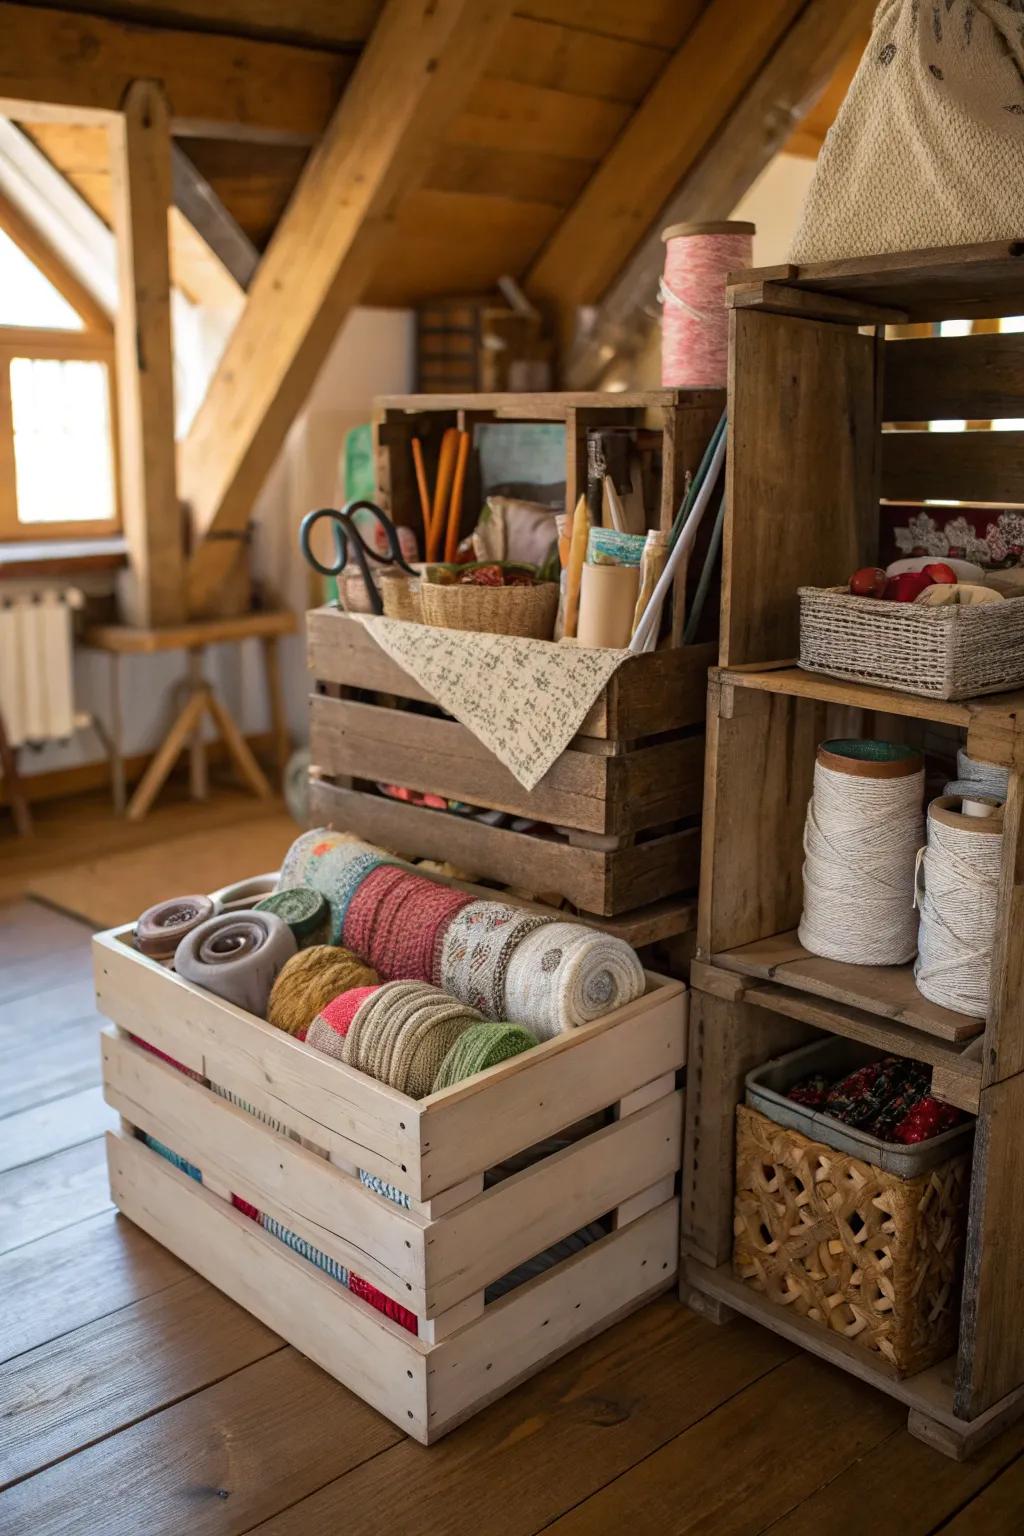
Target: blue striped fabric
<point>172,1157</point>
<point>257,1114</point>
<point>305,1250</point>
<point>379,1187</point>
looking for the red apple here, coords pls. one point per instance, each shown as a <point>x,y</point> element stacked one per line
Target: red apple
<point>939,571</point>
<point>906,587</point>
<point>869,581</point>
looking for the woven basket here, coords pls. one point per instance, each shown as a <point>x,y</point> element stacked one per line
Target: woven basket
<point>873,1257</point>
<point>529,611</point>
<point>944,653</point>
<point>401,597</point>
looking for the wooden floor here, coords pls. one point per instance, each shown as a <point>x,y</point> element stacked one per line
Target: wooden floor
<point>136,1399</point>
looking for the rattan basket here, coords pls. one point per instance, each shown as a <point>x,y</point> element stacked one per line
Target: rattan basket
<point>529,611</point>
<point>944,653</point>
<point>874,1257</point>
<point>400,595</point>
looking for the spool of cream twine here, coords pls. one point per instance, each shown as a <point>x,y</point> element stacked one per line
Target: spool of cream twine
<point>958,894</point>
<point>863,830</point>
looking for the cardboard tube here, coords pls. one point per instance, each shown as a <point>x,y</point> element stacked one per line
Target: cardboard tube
<point>608,596</point>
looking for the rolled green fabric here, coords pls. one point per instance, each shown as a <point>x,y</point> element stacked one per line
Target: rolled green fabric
<point>479,1047</point>
<point>304,910</point>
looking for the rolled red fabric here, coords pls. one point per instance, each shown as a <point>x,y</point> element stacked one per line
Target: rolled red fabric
<point>170,1060</point>
<point>392,1309</point>
<point>245,1208</point>
<point>400,919</point>
<point>332,1023</point>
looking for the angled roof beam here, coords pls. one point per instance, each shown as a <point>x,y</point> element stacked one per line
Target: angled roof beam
<point>197,202</point>
<point>787,84</point>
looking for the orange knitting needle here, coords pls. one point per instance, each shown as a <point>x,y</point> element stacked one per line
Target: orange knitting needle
<point>442,488</point>
<point>421,481</point>
<point>455,510</point>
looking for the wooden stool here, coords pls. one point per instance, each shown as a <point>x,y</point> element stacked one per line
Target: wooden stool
<point>121,640</point>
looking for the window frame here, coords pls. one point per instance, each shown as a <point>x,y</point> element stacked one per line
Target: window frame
<point>93,343</point>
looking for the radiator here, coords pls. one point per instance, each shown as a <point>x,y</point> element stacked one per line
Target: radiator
<point>36,661</point>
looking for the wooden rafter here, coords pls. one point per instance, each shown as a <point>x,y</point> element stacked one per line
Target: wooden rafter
<point>419,64</point>
<point>790,79</point>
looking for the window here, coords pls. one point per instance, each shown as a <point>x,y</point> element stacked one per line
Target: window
<point>57,414</point>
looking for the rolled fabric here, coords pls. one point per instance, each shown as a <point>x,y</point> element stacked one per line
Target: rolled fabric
<point>574,1243</point>
<point>170,1060</point>
<point>304,910</point>
<point>238,956</point>
<point>308,982</point>
<point>335,864</point>
<point>171,1156</point>
<point>475,952</point>
<point>305,1249</point>
<point>328,1030</point>
<point>563,975</point>
<point>243,895</point>
<point>392,1309</point>
<point>162,927</point>
<point>479,1047</point>
<point>401,1034</point>
<point>397,920</point>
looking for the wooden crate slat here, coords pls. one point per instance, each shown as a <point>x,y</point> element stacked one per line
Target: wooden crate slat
<point>972,378</point>
<point>960,466</point>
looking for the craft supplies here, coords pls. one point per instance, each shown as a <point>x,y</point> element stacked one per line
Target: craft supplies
<point>958,894</point>
<point>574,567</point>
<point>349,541</point>
<point>237,955</point>
<point>309,981</point>
<point>398,920</point>
<point>516,530</point>
<point>333,863</point>
<point>694,317</point>
<point>608,601</point>
<point>304,910</point>
<point>480,1047</point>
<point>476,947</point>
<point>242,895</point>
<point>975,779</point>
<point>863,829</point>
<point>563,975</point>
<point>421,487</point>
<point>455,509</point>
<point>607,547</point>
<point>327,1031</point>
<point>707,572</point>
<point>161,928</point>
<point>652,563</point>
<point>524,610</point>
<point>401,1033</point>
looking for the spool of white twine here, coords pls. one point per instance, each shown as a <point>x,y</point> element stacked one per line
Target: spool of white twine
<point>863,830</point>
<point>958,894</point>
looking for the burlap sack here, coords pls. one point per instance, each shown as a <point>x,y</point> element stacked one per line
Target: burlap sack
<point>928,147</point>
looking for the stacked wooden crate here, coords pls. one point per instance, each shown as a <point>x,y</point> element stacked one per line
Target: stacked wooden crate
<point>814,382</point>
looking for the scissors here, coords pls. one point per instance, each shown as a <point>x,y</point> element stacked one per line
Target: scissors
<point>348,538</point>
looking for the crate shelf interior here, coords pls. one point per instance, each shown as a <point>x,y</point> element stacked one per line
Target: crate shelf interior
<point>616,830</point>
<point>825,385</point>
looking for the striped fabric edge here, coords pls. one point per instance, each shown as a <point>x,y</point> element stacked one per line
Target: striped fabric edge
<point>305,1250</point>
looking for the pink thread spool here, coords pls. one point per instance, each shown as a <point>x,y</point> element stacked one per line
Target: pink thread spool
<point>694,319</point>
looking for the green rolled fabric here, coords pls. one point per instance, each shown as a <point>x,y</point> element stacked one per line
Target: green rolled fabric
<point>479,1047</point>
<point>306,912</point>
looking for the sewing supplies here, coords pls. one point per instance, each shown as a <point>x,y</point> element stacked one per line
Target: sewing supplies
<point>243,894</point>
<point>237,955</point>
<point>652,563</point>
<point>607,547</point>
<point>402,1032</point>
<point>889,1098</point>
<point>975,779</point>
<point>161,928</point>
<point>349,541</point>
<point>694,317</point>
<point>608,599</point>
<point>327,1031</point>
<point>304,910</point>
<point>309,981</point>
<point>333,863</point>
<point>863,829</point>
<point>958,896</point>
<point>398,921</point>
<point>574,567</point>
<point>480,1047</point>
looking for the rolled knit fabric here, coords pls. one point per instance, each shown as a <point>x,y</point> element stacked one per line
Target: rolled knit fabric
<point>334,864</point>
<point>170,1156</point>
<point>481,1046</point>
<point>328,1030</point>
<point>237,956</point>
<point>305,1249</point>
<point>396,921</point>
<point>245,1208</point>
<point>383,1188</point>
<point>476,951</point>
<point>304,910</point>
<point>309,981</point>
<point>392,1309</point>
<point>402,1034</point>
<point>564,975</point>
<point>170,1060</point>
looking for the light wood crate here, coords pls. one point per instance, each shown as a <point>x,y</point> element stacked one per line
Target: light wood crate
<point>617,796</point>
<point>435,1257</point>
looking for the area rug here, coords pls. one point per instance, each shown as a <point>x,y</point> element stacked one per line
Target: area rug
<point>109,891</point>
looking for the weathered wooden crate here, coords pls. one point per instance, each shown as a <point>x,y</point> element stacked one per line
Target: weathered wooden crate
<point>313,1123</point>
<point>624,796</point>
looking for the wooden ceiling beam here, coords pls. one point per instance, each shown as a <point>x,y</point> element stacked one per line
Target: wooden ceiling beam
<point>213,225</point>
<point>318,23</point>
<point>421,61</point>
<point>702,82</point>
<point>58,65</point>
<point>787,84</point>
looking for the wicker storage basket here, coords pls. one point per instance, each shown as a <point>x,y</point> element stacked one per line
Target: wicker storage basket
<point>529,611</point>
<point>401,597</point>
<point>873,1257</point>
<point>944,653</point>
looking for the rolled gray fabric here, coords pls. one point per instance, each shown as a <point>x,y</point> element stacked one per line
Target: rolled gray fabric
<point>237,955</point>
<point>162,927</point>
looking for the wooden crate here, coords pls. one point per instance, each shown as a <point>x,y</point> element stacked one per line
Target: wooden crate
<point>437,1256</point>
<point>822,405</point>
<point>626,807</point>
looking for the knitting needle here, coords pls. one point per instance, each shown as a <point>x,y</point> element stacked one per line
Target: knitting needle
<point>421,481</point>
<point>455,510</point>
<point>442,487</point>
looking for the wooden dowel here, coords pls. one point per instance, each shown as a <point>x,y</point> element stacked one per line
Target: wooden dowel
<point>455,510</point>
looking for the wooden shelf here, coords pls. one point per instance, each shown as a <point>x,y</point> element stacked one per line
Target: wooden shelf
<point>796,683</point>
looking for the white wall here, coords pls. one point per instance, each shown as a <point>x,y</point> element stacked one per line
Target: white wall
<point>373,355</point>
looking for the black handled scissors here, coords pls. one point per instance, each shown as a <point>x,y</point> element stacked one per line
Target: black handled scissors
<point>348,539</point>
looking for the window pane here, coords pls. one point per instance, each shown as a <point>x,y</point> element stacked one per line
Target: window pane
<point>29,298</point>
<point>62,447</point>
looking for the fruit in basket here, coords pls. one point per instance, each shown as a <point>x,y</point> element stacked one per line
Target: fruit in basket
<point>481,576</point>
<point>869,581</point>
<point>907,587</point>
<point>941,573</point>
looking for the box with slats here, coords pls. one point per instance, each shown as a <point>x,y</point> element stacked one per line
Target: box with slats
<point>428,1253</point>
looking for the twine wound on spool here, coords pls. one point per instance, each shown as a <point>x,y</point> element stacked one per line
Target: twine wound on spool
<point>694,319</point>
<point>863,829</point>
<point>958,894</point>
<point>976,779</point>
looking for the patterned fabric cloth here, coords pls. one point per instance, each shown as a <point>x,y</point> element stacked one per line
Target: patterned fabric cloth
<point>335,864</point>
<point>524,699</point>
<point>481,1047</point>
<point>402,1032</point>
<point>476,950</point>
<point>397,922</point>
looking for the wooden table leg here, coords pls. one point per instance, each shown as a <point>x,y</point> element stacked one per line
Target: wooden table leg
<point>275,699</point>
<point>12,778</point>
<point>174,742</point>
<point>117,778</point>
<point>198,775</point>
<point>239,749</point>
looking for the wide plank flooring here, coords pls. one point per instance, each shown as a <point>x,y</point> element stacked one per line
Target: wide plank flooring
<point>136,1398</point>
